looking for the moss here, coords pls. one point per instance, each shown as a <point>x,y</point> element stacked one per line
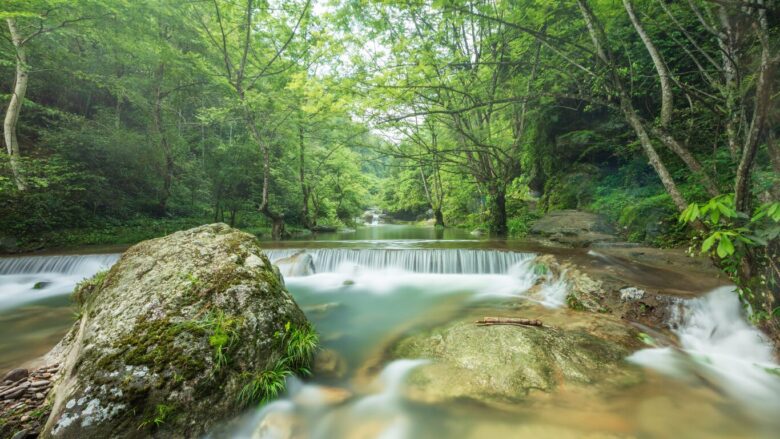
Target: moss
<point>88,287</point>
<point>153,343</point>
<point>574,303</point>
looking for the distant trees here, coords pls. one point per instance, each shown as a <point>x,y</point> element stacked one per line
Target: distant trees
<point>170,109</point>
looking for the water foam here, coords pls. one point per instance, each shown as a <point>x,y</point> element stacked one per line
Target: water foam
<point>32,278</point>
<point>720,346</point>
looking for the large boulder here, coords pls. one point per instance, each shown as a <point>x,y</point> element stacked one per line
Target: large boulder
<point>502,364</point>
<point>573,228</point>
<point>176,338</point>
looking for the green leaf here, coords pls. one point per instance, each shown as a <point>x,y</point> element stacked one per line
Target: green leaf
<point>725,247</point>
<point>707,244</point>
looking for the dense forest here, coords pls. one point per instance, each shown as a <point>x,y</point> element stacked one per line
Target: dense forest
<point>128,119</point>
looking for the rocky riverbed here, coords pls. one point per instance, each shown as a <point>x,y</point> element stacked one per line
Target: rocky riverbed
<point>23,400</point>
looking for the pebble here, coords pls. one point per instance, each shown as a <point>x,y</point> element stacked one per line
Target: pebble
<point>25,418</point>
<point>39,395</point>
<point>40,383</point>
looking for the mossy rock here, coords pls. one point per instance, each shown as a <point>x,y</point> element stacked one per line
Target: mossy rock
<point>169,336</point>
<point>502,365</point>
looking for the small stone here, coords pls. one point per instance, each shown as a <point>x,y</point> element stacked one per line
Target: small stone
<point>25,418</point>
<point>39,395</point>
<point>46,375</point>
<point>631,294</point>
<point>16,374</point>
<point>40,383</point>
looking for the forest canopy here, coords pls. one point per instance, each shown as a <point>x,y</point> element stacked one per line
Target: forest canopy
<point>279,115</point>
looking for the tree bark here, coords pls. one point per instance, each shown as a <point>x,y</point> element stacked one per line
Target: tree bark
<point>758,124</point>
<point>627,107</point>
<point>660,67</point>
<point>497,220</point>
<point>439,217</point>
<point>15,106</point>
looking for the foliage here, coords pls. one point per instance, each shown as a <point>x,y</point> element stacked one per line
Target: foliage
<point>731,236</point>
<point>298,344</point>
<point>158,418</point>
<point>223,334</point>
<point>265,386</point>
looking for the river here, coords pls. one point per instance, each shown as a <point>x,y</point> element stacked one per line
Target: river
<point>377,284</point>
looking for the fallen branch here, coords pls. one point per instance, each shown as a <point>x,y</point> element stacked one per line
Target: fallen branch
<point>489,321</point>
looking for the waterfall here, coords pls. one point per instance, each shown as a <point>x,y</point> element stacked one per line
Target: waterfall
<point>720,345</point>
<point>33,278</point>
<point>439,261</point>
<point>68,264</point>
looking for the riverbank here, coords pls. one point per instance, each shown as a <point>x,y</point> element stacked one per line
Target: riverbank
<point>119,235</point>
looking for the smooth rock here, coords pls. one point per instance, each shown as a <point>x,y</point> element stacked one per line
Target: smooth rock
<point>16,375</point>
<point>329,364</point>
<point>503,364</point>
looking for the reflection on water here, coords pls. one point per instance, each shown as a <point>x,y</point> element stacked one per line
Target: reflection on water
<point>389,232</point>
<point>31,330</point>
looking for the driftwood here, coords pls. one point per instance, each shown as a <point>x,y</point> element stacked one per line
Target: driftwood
<point>489,321</point>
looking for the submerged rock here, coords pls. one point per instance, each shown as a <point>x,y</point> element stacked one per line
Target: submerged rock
<point>503,364</point>
<point>171,335</point>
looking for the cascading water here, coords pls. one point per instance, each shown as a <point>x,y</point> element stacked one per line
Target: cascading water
<point>379,413</point>
<point>718,346</point>
<point>439,261</point>
<point>31,278</point>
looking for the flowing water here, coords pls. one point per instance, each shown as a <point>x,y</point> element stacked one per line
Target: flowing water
<point>390,281</point>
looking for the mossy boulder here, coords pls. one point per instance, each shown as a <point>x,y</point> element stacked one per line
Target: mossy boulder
<point>501,365</point>
<point>170,336</point>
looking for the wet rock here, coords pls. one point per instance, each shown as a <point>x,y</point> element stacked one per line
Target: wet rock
<point>322,308</point>
<point>39,383</point>
<point>500,365</point>
<point>16,375</point>
<point>171,333</point>
<point>276,425</point>
<point>573,228</point>
<point>21,434</point>
<point>299,264</point>
<point>631,294</point>
<point>329,364</point>
<point>41,285</point>
<point>319,396</point>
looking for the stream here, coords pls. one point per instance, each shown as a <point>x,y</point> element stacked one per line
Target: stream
<point>378,284</point>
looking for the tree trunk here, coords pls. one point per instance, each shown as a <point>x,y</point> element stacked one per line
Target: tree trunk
<point>302,178</point>
<point>497,220</point>
<point>277,219</point>
<point>439,217</point>
<point>658,62</point>
<point>277,228</point>
<point>15,106</point>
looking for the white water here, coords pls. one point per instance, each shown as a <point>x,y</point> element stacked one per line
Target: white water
<point>54,275</point>
<point>412,260</point>
<point>721,348</point>
<point>380,412</point>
